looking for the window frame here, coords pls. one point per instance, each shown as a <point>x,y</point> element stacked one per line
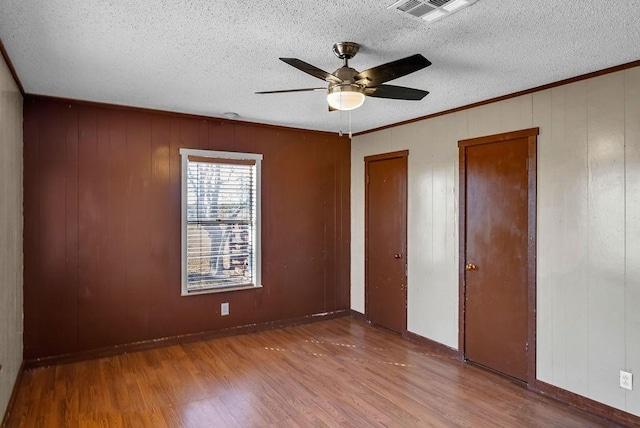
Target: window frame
<point>256,238</point>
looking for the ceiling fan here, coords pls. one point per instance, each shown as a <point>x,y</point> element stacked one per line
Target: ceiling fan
<point>348,87</point>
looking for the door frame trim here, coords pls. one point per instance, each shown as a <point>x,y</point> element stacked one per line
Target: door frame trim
<point>404,154</point>
<point>531,135</point>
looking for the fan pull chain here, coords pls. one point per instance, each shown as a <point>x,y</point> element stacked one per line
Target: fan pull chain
<point>340,132</point>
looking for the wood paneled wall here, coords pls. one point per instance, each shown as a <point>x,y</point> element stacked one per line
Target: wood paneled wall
<point>10,233</point>
<point>589,236</point>
<point>588,226</point>
<point>102,226</point>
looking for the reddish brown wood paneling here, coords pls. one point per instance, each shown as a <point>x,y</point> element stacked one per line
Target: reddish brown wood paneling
<point>52,237</point>
<point>102,226</point>
<point>31,239</point>
<point>158,225</point>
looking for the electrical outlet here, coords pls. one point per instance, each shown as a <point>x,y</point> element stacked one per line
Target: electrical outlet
<point>224,309</point>
<point>626,380</point>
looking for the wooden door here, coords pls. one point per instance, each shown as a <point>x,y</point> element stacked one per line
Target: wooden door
<point>498,253</point>
<point>385,240</point>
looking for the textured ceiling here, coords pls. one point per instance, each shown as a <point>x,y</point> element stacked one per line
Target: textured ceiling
<point>209,56</point>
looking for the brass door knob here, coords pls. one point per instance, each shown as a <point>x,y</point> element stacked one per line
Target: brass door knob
<point>471,266</point>
<point>397,256</point>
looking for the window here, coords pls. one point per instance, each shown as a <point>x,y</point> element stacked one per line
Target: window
<point>220,221</point>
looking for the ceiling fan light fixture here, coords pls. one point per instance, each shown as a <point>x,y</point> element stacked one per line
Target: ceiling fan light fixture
<point>345,97</point>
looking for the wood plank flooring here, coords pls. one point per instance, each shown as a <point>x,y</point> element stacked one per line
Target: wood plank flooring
<point>340,372</point>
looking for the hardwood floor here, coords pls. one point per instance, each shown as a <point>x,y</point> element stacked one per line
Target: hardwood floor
<point>340,372</point>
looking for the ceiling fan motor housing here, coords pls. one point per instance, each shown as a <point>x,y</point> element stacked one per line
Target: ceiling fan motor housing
<point>346,74</point>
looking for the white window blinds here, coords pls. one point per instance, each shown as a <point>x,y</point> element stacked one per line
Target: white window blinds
<point>221,224</point>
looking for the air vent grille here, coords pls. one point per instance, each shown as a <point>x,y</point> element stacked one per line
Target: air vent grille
<point>423,9</point>
<point>429,10</point>
<point>405,7</point>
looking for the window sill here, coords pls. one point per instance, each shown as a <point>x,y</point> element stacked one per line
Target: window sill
<point>220,290</point>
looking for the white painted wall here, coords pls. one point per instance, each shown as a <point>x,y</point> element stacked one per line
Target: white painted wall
<point>10,233</point>
<point>588,226</point>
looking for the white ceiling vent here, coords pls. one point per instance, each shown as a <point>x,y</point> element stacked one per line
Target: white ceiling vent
<point>429,10</point>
